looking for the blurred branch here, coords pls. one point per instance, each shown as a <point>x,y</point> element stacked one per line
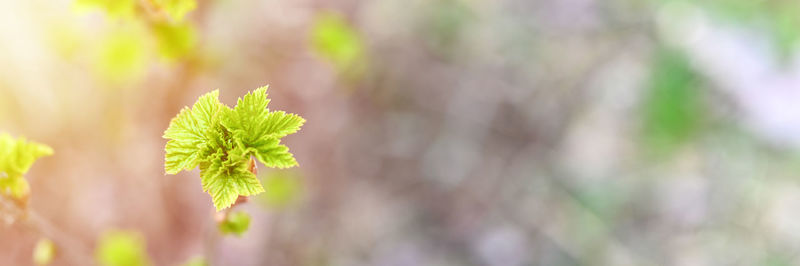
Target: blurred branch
<point>74,250</point>
<point>212,232</point>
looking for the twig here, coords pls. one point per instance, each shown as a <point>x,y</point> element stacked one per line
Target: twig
<point>71,246</point>
<point>210,244</point>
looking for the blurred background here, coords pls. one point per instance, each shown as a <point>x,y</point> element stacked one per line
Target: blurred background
<point>440,132</point>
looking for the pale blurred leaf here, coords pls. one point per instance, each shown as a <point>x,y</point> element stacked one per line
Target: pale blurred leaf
<point>122,55</point>
<point>175,40</point>
<point>44,251</point>
<point>672,110</point>
<point>282,188</point>
<point>122,248</point>
<point>335,40</point>
<point>235,223</point>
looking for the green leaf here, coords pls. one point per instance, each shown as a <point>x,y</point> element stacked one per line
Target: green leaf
<point>272,154</point>
<point>44,251</point>
<point>190,133</point>
<point>16,158</point>
<point>259,130</point>
<point>227,176</point>
<point>247,121</point>
<point>122,248</point>
<point>279,124</point>
<point>236,223</point>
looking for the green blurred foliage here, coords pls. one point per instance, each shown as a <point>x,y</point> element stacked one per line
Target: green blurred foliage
<point>282,188</point>
<point>444,24</point>
<point>176,9</point>
<point>174,40</point>
<point>780,19</point>
<point>606,200</point>
<point>335,40</point>
<point>673,109</point>
<point>117,9</point>
<point>44,251</point>
<point>589,232</point>
<point>65,40</point>
<point>122,55</point>
<point>122,248</point>
<point>235,223</point>
<point>17,188</point>
<point>142,29</point>
<point>736,9</point>
<point>196,261</point>
<point>773,259</point>
<point>16,158</point>
<point>786,25</point>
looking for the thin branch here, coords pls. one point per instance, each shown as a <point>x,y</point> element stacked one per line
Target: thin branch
<point>74,250</point>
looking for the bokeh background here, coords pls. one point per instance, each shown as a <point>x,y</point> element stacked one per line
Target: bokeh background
<point>440,132</point>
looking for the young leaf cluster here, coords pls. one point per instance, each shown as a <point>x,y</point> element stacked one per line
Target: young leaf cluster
<point>222,140</point>
<point>16,157</point>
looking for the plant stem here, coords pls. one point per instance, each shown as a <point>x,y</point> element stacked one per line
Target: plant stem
<point>212,235</point>
<point>70,246</point>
